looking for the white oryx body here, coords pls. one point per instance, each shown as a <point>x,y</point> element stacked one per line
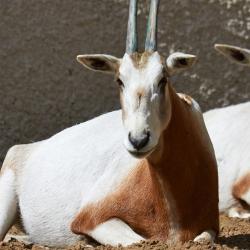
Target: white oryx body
<point>88,162</point>
<point>146,172</point>
<point>230,134</point>
<point>229,130</point>
<point>89,180</point>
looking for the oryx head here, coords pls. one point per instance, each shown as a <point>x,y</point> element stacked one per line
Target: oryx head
<point>235,54</point>
<point>143,80</point>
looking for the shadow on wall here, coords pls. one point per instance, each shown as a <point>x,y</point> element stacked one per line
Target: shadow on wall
<point>43,89</point>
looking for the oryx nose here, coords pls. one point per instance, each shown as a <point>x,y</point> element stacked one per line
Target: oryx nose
<point>141,142</point>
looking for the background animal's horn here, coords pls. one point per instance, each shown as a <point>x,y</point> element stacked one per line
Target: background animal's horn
<point>151,36</point>
<point>131,45</point>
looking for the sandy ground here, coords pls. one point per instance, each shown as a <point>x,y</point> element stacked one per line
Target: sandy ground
<point>235,234</point>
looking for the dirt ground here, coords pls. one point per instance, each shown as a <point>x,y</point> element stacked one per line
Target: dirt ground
<point>235,234</point>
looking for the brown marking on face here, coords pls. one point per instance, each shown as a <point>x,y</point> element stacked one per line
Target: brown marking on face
<point>140,59</point>
<point>186,98</point>
<point>241,186</point>
<point>140,93</point>
<point>174,190</point>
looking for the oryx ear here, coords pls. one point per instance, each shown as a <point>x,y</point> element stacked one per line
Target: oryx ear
<point>236,54</point>
<point>102,63</point>
<point>178,62</point>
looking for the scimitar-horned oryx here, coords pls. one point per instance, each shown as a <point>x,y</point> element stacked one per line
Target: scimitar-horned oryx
<point>229,128</point>
<point>146,172</point>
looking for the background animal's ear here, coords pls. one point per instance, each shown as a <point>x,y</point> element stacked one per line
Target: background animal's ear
<point>178,62</point>
<point>102,63</point>
<point>234,53</point>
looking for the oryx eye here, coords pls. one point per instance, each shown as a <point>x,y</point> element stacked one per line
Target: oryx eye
<point>120,83</point>
<point>162,83</point>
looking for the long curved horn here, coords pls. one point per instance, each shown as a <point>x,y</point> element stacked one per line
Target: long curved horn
<point>131,45</point>
<point>151,36</point>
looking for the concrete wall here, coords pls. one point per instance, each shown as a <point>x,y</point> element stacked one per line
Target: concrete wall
<point>43,89</point>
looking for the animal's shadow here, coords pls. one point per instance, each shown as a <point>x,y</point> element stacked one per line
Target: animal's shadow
<point>242,241</point>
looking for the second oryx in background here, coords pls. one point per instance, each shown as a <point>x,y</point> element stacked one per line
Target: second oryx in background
<point>229,129</point>
<point>145,172</point>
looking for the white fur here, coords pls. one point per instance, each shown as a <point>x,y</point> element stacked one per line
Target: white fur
<point>246,196</point>
<point>229,130</point>
<point>70,174</point>
<point>141,115</point>
<point>206,236</point>
<point>173,62</point>
<point>8,201</point>
<point>234,212</point>
<point>114,232</point>
<point>88,162</point>
<point>230,134</point>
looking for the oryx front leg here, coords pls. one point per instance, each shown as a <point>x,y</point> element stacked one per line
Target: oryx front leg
<point>8,201</point>
<point>206,236</point>
<point>238,212</point>
<point>114,232</point>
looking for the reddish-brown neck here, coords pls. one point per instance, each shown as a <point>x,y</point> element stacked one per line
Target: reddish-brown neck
<point>186,167</point>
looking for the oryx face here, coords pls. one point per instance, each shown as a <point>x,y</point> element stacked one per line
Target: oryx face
<point>143,80</point>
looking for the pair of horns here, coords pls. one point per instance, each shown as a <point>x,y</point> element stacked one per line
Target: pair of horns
<point>151,36</point>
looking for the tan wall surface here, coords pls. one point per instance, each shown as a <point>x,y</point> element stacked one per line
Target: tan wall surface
<point>43,89</point>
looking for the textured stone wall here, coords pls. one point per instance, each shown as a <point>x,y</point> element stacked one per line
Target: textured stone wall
<point>43,89</point>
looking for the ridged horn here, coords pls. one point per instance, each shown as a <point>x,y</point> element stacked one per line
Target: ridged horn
<point>151,36</point>
<point>131,44</point>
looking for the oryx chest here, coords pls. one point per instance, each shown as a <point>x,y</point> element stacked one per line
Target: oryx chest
<point>138,201</point>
